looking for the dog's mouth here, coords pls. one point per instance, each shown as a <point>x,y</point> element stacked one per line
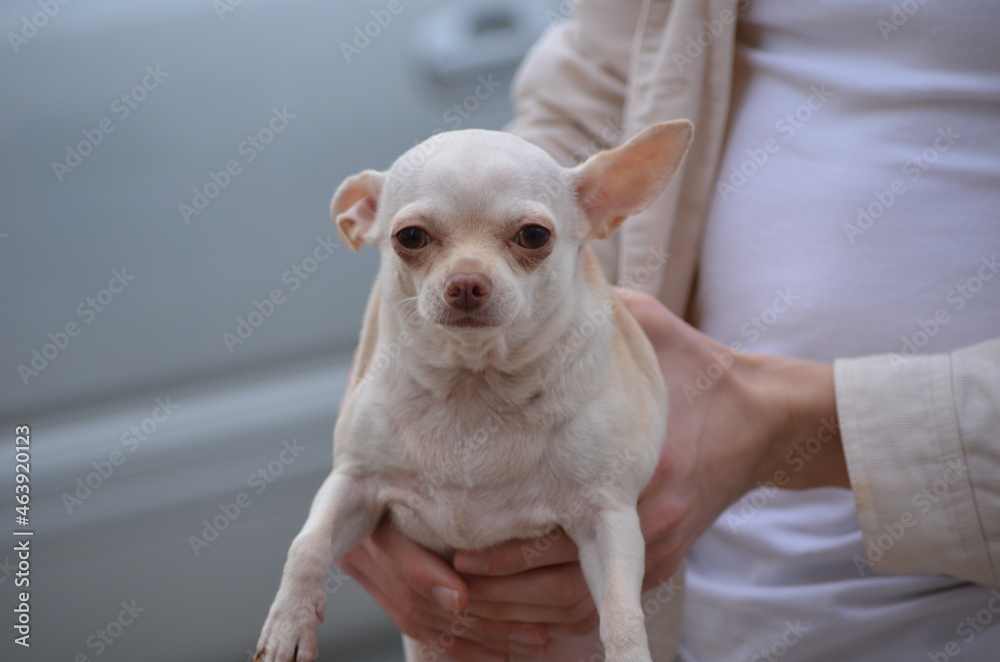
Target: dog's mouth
<point>467,321</point>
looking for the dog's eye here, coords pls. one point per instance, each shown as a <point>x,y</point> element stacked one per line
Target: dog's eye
<point>413,238</point>
<point>532,236</point>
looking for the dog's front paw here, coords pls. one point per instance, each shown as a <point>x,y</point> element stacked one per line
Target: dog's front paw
<point>289,635</point>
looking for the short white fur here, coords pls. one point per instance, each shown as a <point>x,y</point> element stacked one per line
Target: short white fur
<point>472,427</point>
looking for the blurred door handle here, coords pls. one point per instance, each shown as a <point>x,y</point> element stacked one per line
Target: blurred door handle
<point>463,39</point>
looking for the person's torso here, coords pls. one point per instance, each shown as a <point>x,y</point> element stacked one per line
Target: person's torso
<point>857,211</point>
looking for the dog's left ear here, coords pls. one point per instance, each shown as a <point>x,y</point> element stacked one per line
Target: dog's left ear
<point>619,182</point>
<point>354,207</point>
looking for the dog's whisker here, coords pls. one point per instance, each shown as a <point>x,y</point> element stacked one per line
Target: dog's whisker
<point>404,302</point>
<point>411,313</point>
<point>407,306</point>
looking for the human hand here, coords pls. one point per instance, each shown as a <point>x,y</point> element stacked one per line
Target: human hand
<point>463,618</point>
<point>734,419</point>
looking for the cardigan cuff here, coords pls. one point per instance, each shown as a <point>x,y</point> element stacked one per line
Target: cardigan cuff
<point>908,468</point>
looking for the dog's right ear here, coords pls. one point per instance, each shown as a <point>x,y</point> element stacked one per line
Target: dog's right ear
<point>354,207</point>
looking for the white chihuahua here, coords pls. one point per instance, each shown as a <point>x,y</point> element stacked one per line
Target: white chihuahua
<point>490,308</point>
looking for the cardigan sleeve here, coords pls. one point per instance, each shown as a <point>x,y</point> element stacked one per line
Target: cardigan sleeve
<point>569,92</point>
<point>921,435</point>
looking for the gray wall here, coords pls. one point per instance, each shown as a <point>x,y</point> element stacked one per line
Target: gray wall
<point>113,304</point>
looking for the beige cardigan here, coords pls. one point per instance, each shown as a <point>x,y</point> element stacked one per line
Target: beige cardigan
<point>929,423</point>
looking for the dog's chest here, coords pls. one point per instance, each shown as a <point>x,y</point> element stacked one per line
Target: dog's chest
<point>474,476</point>
<point>445,518</point>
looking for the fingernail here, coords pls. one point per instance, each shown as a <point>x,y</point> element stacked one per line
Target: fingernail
<point>532,637</point>
<point>471,565</point>
<point>446,597</point>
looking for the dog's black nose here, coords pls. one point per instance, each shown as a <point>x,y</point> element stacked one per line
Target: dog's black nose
<point>467,291</point>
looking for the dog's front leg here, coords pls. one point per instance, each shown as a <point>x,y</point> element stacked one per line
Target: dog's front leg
<point>343,513</point>
<point>612,554</point>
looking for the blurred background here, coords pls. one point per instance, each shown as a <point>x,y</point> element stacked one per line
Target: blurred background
<point>176,312</point>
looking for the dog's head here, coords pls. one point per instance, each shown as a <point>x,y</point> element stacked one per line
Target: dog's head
<point>480,231</point>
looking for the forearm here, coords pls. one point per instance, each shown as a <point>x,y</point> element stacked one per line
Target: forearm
<point>918,449</point>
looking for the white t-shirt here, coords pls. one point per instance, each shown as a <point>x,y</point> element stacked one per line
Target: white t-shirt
<point>857,212</point>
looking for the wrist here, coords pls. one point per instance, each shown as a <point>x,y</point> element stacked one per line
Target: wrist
<point>799,443</point>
